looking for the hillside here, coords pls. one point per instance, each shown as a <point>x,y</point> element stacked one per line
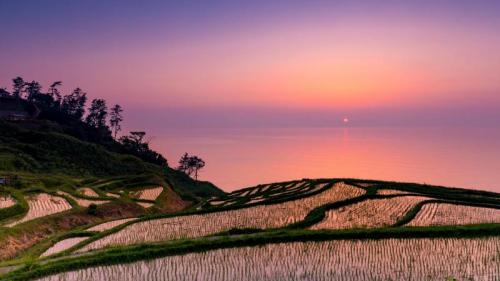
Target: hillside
<point>58,183</point>
<point>42,147</point>
<point>291,222</point>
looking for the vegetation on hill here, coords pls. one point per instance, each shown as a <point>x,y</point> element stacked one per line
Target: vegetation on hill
<point>68,138</point>
<point>73,118</point>
<point>41,147</point>
<point>44,148</point>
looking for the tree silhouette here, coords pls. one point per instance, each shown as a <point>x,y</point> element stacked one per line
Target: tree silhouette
<point>18,86</point>
<point>54,92</point>
<point>44,101</point>
<point>74,104</point>
<point>115,119</point>
<point>135,145</point>
<point>33,89</point>
<point>137,137</point>
<point>197,164</point>
<point>134,142</point>
<point>184,164</point>
<point>190,164</point>
<point>97,114</point>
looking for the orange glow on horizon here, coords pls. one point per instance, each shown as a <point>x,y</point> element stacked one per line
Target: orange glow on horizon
<point>330,68</point>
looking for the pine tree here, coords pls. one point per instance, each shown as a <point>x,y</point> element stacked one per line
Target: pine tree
<point>115,119</point>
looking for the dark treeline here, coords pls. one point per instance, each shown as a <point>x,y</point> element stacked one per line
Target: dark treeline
<point>93,122</point>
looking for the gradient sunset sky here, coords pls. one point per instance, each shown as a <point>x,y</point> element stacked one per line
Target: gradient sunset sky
<point>264,62</point>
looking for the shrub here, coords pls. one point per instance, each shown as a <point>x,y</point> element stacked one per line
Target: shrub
<point>92,209</point>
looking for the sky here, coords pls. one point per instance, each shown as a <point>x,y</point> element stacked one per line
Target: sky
<point>264,63</point>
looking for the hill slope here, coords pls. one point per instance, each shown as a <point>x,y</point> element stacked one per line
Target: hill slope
<point>42,147</point>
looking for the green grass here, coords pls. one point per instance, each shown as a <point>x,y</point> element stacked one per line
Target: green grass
<point>19,209</point>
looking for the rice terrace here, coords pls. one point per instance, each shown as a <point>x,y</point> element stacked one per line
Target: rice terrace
<point>323,229</point>
<point>258,140</point>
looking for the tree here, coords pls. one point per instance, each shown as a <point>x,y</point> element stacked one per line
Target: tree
<point>54,92</point>
<point>197,164</point>
<point>92,209</point>
<point>115,119</point>
<point>184,165</point>
<point>137,137</point>
<point>98,112</point>
<point>74,104</point>
<point>191,164</point>
<point>134,144</point>
<point>18,86</point>
<point>33,89</point>
<point>44,101</point>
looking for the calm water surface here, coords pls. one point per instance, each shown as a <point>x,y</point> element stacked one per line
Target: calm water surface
<point>236,158</point>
